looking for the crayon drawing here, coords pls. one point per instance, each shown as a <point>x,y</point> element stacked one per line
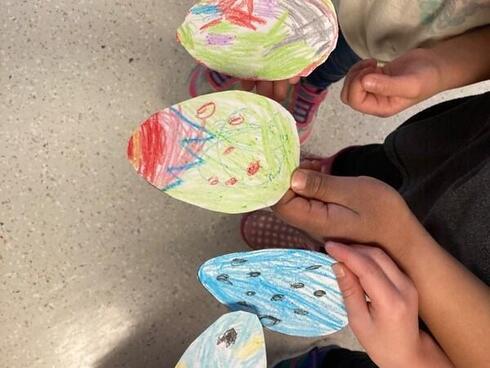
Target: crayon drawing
<point>234,340</point>
<point>260,39</point>
<point>230,152</point>
<point>292,291</point>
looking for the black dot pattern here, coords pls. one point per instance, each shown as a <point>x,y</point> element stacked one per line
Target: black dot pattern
<point>238,262</point>
<point>224,278</point>
<point>280,300</point>
<point>277,298</point>
<point>269,320</point>
<point>301,312</point>
<point>314,267</point>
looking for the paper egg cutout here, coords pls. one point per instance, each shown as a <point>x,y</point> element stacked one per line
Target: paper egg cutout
<point>234,340</point>
<point>230,152</point>
<point>292,291</point>
<point>260,39</point>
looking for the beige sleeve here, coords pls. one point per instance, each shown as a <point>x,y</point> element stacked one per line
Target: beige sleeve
<point>385,29</point>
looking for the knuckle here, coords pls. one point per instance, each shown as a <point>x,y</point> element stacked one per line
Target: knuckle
<point>348,287</point>
<point>411,293</point>
<point>377,254</point>
<point>315,183</point>
<point>404,308</point>
<point>398,307</point>
<point>378,187</point>
<point>370,268</point>
<point>368,184</point>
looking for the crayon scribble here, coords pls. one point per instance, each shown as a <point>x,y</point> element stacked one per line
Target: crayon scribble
<point>229,152</point>
<point>260,39</point>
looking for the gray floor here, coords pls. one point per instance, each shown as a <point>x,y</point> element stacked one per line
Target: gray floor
<point>98,269</point>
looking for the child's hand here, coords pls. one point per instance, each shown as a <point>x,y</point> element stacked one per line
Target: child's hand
<point>394,87</point>
<point>277,90</point>
<point>386,326</point>
<point>362,210</point>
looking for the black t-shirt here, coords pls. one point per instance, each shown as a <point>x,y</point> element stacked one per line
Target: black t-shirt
<point>443,155</point>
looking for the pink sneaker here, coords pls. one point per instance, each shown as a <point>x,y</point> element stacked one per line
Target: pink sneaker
<point>264,230</point>
<point>304,104</point>
<point>204,80</point>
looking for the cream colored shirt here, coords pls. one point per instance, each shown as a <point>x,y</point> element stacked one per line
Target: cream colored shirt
<point>385,29</point>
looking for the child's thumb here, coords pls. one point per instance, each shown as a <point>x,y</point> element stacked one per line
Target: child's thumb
<point>385,85</point>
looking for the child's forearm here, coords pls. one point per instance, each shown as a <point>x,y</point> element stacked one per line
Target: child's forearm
<point>464,59</point>
<point>453,302</point>
<point>430,355</point>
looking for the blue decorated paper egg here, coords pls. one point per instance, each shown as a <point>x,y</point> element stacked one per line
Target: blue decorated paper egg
<point>292,291</point>
<point>234,340</point>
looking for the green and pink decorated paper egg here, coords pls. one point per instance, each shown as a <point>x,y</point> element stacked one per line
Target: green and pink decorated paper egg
<point>231,152</point>
<point>260,39</point>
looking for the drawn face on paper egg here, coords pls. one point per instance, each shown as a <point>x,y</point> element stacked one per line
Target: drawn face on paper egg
<point>230,152</point>
<point>293,292</point>
<point>260,39</point>
<point>234,340</point>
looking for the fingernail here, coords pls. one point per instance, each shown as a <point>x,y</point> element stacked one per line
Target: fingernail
<point>338,270</point>
<point>329,245</point>
<point>299,180</point>
<point>369,83</point>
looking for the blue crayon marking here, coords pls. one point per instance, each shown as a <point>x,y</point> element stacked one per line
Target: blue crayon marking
<point>175,171</point>
<point>205,9</point>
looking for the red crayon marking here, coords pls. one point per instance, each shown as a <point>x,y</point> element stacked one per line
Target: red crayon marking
<point>231,181</point>
<point>214,180</point>
<point>153,147</point>
<point>244,18</point>
<point>131,149</point>
<point>253,168</point>
<point>236,120</point>
<point>229,150</point>
<point>211,24</point>
<point>206,110</point>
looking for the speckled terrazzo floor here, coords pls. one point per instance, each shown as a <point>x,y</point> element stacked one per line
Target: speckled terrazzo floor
<point>97,269</point>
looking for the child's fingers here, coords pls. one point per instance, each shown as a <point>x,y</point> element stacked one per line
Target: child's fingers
<point>326,188</point>
<point>294,80</point>
<point>354,297</point>
<point>317,217</point>
<point>389,267</point>
<point>386,85</point>
<point>247,85</point>
<point>265,88</point>
<point>311,165</point>
<point>361,65</point>
<point>281,90</point>
<point>356,94</point>
<point>322,205</point>
<point>352,74</point>
<point>381,291</point>
<point>377,105</point>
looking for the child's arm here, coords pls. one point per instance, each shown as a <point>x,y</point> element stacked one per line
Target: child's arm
<point>387,326</point>
<point>453,302</point>
<point>418,74</point>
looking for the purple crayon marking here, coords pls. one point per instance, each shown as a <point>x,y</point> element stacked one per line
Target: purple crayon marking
<point>221,40</point>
